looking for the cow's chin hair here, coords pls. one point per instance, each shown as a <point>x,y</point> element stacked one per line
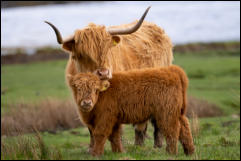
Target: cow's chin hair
<point>85,110</point>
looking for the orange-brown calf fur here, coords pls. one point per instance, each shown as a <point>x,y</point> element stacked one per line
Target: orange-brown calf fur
<point>134,97</point>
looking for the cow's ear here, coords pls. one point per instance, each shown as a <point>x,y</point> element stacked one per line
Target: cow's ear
<point>105,84</point>
<point>68,45</point>
<point>115,39</point>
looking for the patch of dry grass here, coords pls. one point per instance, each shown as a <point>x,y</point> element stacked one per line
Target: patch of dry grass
<point>202,108</point>
<point>50,115</point>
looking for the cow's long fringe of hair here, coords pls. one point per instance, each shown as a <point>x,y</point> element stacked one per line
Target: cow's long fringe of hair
<point>147,47</point>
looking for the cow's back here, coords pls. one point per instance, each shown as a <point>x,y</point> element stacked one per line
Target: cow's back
<point>149,46</point>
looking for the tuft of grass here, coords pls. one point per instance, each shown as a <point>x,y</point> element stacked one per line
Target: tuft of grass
<point>195,125</point>
<point>28,147</point>
<point>223,141</point>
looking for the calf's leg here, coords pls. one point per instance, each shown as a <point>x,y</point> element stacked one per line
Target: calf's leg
<point>157,134</point>
<point>170,128</point>
<point>91,141</point>
<point>172,140</point>
<point>98,147</point>
<point>115,139</point>
<point>101,132</point>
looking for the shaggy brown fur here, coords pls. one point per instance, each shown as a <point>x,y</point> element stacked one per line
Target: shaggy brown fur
<point>93,47</point>
<point>132,98</point>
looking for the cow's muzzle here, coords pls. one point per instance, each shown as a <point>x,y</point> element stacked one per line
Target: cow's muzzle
<point>103,73</point>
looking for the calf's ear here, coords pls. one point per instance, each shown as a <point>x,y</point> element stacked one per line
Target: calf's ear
<point>70,79</point>
<point>105,84</point>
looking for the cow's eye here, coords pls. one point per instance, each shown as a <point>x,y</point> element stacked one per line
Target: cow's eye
<point>79,56</point>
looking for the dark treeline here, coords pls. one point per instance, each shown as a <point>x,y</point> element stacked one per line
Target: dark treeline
<point>20,56</point>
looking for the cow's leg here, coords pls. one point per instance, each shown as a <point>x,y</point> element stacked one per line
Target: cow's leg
<point>140,133</point>
<point>186,136</point>
<point>157,134</point>
<point>115,139</point>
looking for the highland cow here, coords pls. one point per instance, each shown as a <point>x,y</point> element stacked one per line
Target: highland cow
<point>117,48</point>
<point>133,97</point>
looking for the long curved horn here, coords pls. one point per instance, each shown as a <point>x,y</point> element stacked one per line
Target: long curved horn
<point>130,30</point>
<point>58,35</point>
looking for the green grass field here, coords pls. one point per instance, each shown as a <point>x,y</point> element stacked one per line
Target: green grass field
<point>217,138</point>
<point>214,77</point>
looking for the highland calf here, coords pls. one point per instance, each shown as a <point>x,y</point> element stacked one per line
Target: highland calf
<point>131,98</point>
